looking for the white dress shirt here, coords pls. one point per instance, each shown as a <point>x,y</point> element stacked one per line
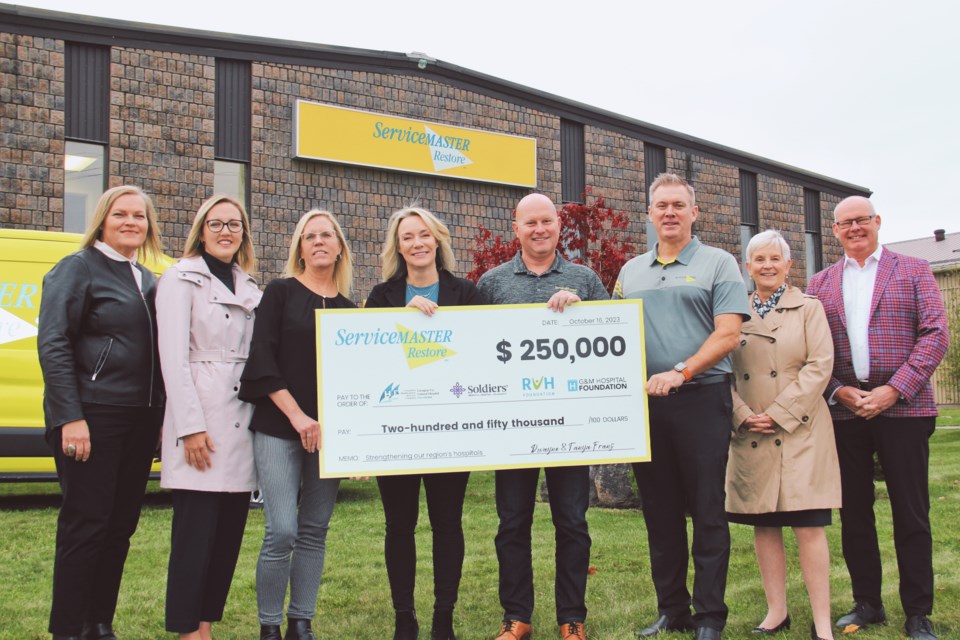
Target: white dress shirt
<point>113,254</point>
<point>858,283</point>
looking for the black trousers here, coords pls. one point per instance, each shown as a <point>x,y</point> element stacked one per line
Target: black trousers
<point>99,513</point>
<point>204,545</point>
<point>516,493</point>
<point>902,446</point>
<point>401,507</point>
<point>689,441</point>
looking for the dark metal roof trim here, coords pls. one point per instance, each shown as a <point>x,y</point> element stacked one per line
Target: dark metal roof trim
<point>80,28</point>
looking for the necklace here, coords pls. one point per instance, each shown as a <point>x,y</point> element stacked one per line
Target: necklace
<point>429,292</point>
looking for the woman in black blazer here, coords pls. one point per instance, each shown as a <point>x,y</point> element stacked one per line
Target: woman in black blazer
<point>417,260</point>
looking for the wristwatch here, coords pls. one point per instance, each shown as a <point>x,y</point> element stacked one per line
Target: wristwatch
<point>681,367</point>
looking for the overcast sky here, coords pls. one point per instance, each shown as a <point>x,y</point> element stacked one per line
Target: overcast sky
<point>863,91</point>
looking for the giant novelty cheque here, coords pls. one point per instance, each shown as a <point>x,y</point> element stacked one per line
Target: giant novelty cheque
<point>472,388</point>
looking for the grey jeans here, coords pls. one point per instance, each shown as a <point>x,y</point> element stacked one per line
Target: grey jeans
<point>294,543</point>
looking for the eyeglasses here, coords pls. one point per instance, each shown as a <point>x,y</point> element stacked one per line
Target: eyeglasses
<point>325,236</point>
<point>216,226</point>
<point>862,221</point>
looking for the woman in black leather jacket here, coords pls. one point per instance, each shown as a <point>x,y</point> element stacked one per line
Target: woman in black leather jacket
<point>103,404</point>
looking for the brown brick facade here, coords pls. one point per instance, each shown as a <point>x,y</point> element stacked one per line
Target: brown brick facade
<point>31,131</point>
<point>161,133</point>
<point>162,121</point>
<point>614,168</point>
<point>283,187</point>
<point>718,197</point>
<point>781,208</point>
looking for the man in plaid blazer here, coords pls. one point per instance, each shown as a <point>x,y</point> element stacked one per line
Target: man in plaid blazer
<point>889,334</point>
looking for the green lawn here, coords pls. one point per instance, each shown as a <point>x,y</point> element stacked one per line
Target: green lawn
<point>354,599</point>
<point>949,417</point>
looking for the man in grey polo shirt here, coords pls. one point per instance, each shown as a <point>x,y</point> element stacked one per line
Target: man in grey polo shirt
<point>694,302</point>
<point>538,274</point>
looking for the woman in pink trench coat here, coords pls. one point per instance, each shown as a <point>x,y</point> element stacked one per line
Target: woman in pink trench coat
<point>783,468</point>
<point>205,314</point>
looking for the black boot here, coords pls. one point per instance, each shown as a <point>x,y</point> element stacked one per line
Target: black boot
<point>442,628</point>
<point>270,632</point>
<point>298,630</point>
<point>98,631</point>
<point>407,627</point>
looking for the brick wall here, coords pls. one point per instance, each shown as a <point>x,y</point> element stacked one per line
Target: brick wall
<point>161,133</point>
<point>31,132</point>
<point>718,198</point>
<point>781,208</point>
<point>283,188</point>
<point>614,169</point>
<point>162,119</point>
<point>832,251</point>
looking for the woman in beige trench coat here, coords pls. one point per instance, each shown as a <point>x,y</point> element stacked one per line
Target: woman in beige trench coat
<point>783,468</point>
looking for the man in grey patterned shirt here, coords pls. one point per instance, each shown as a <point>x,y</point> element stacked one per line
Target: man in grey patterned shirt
<point>538,274</point>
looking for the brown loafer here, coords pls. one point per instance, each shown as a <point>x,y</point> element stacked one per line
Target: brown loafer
<point>573,631</point>
<point>514,630</point>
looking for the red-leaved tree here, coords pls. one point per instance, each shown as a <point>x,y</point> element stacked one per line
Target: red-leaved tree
<point>591,234</point>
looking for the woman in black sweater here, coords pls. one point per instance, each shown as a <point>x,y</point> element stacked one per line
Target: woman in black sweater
<point>280,378</point>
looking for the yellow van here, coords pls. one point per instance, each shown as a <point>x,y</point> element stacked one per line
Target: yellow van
<point>25,257</point>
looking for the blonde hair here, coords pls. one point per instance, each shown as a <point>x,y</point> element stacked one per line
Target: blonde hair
<point>394,266</point>
<point>671,179</point>
<point>342,269</point>
<point>245,256</point>
<point>151,248</point>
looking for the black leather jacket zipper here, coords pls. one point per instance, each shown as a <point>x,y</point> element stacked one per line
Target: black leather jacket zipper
<point>102,360</point>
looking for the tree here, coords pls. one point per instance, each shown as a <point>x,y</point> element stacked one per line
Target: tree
<point>590,234</point>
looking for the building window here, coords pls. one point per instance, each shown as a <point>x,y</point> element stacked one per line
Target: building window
<point>230,178</point>
<point>749,219</point>
<point>814,244</point>
<point>232,128</point>
<point>573,180</point>
<point>85,178</point>
<point>86,129</point>
<point>654,163</point>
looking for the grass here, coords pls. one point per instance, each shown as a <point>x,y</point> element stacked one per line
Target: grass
<point>354,599</point>
<point>949,417</point>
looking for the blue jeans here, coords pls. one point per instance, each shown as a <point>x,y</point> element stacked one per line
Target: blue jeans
<point>516,490</point>
<point>294,543</point>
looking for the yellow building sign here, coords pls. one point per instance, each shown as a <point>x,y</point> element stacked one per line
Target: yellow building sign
<point>337,134</point>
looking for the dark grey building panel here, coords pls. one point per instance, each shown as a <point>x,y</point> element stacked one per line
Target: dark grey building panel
<point>232,127</point>
<point>573,171</point>
<point>749,208</point>
<point>654,163</point>
<point>87,75</point>
<point>811,210</point>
